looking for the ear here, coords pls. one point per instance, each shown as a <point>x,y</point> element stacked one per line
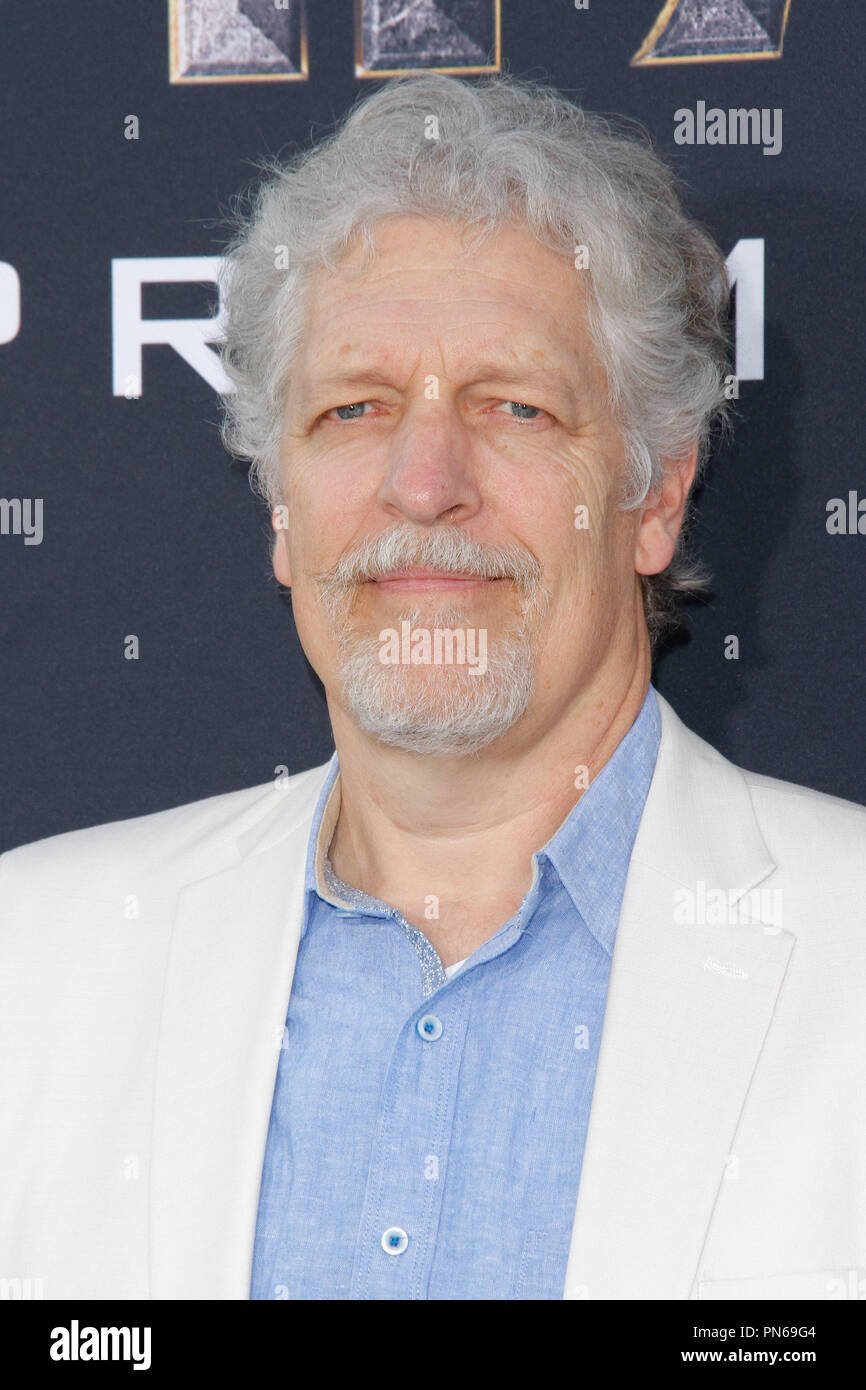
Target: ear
<point>280,558</point>
<point>662,516</point>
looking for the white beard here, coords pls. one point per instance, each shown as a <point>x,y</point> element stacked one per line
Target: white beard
<point>438,709</point>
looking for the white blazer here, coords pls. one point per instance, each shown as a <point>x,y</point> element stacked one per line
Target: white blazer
<point>145,972</point>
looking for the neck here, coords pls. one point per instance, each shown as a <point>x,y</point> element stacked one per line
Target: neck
<point>462,831</point>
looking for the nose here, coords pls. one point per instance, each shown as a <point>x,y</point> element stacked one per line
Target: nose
<point>429,473</point>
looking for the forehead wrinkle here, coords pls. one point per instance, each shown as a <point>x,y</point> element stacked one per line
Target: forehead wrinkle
<point>399,311</point>
<point>541,334</point>
<point>530,300</point>
<point>553,344</point>
<point>492,361</point>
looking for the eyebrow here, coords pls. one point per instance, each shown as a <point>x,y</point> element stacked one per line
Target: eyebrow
<point>482,371</point>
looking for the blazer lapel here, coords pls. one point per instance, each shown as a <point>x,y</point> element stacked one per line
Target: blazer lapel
<point>689,1006</point>
<point>228,980</point>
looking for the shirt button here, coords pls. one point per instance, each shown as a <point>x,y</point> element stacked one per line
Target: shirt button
<point>429,1028</point>
<point>394,1241</point>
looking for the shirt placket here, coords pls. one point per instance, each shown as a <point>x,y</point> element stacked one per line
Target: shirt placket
<point>409,1160</point>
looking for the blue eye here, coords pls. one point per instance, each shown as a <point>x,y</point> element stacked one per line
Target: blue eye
<point>520,407</point>
<point>355,411</point>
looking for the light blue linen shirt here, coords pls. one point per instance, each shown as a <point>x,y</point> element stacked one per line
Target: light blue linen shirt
<point>428,1128</point>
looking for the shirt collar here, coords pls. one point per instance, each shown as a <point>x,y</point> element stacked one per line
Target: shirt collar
<point>590,851</point>
<point>592,848</point>
<point>322,830</point>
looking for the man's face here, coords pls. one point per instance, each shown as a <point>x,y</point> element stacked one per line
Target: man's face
<point>480,439</point>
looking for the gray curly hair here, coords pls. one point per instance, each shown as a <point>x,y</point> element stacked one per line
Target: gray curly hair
<point>507,150</point>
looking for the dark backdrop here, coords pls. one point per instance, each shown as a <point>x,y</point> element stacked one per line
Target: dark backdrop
<point>150,530</point>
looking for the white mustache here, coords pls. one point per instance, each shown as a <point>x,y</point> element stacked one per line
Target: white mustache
<point>449,550</point>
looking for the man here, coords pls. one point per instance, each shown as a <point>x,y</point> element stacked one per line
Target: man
<point>529,993</point>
